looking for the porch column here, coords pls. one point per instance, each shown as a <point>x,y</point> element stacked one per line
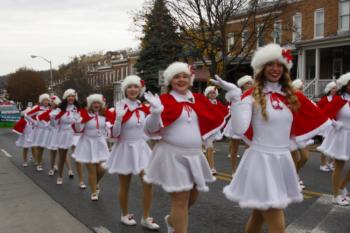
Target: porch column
<point>317,70</point>
<point>301,64</point>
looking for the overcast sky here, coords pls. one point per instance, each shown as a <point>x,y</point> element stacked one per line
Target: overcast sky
<point>61,29</point>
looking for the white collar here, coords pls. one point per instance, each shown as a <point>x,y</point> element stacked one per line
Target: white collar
<point>329,98</point>
<point>214,101</point>
<point>70,107</point>
<point>132,104</point>
<point>183,98</point>
<point>273,87</point>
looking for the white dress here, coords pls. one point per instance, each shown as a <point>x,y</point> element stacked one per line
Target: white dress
<point>178,163</point>
<point>92,146</point>
<point>337,141</point>
<point>40,131</point>
<point>65,135</point>
<point>266,177</point>
<point>130,154</point>
<point>51,141</point>
<point>23,140</point>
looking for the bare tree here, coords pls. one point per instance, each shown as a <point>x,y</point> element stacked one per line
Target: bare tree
<point>204,26</point>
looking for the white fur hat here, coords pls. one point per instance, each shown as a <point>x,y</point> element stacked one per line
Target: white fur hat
<point>43,97</point>
<point>271,52</point>
<point>210,89</point>
<point>133,79</point>
<point>297,84</point>
<point>69,92</point>
<point>245,79</point>
<point>330,86</point>
<point>343,80</point>
<point>174,69</point>
<point>95,98</point>
<point>55,99</point>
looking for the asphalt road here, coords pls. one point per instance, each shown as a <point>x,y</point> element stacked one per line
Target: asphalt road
<point>213,213</point>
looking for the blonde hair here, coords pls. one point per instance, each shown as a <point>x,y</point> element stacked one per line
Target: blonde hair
<point>287,87</point>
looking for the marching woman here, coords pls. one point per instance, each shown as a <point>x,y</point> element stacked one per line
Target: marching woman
<point>245,83</point>
<point>182,119</point>
<point>24,128</point>
<point>266,179</point>
<point>66,117</point>
<point>92,147</point>
<point>130,155</point>
<point>41,129</point>
<point>330,91</point>
<point>336,143</point>
<point>51,141</point>
<point>211,93</point>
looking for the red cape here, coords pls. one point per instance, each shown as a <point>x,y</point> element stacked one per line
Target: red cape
<point>323,102</point>
<point>210,118</point>
<point>332,109</point>
<point>20,126</point>
<point>45,116</point>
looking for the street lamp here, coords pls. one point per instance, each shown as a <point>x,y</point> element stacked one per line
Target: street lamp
<point>47,60</point>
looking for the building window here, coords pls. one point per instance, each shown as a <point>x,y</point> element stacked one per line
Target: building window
<point>230,42</point>
<point>260,35</point>
<point>297,28</point>
<point>319,23</point>
<point>277,33</point>
<point>245,36</point>
<point>344,12</point>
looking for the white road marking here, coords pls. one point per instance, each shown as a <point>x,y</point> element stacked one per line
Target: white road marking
<point>101,229</point>
<point>6,153</point>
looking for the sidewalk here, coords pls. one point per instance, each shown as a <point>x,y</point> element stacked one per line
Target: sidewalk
<point>24,207</point>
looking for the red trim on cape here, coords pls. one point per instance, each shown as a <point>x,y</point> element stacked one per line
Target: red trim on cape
<point>45,116</point>
<point>20,126</point>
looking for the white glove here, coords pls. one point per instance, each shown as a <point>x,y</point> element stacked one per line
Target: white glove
<point>120,109</point>
<point>337,124</point>
<point>233,92</point>
<point>154,100</point>
<point>77,117</point>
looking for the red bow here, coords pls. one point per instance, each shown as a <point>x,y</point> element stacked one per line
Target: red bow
<point>142,83</point>
<point>287,54</point>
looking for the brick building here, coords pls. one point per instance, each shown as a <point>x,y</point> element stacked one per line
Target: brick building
<point>317,32</point>
<point>106,75</point>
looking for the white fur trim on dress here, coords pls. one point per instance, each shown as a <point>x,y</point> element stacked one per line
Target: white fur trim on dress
<point>268,53</point>
<point>55,99</point>
<point>330,86</point>
<point>343,80</point>
<point>243,80</point>
<point>133,80</point>
<point>297,84</point>
<point>174,69</point>
<point>95,98</point>
<point>43,97</point>
<point>69,92</point>
<point>210,89</point>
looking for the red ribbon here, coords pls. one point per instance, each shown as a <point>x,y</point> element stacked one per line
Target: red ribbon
<point>274,99</point>
<point>287,54</point>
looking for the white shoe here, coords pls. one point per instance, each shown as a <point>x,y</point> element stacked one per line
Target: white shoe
<point>213,171</point>
<point>51,172</point>
<point>128,220</point>
<point>82,185</point>
<point>149,223</point>
<point>55,168</point>
<point>301,185</point>
<point>94,197</point>
<point>331,166</point>
<point>59,181</point>
<point>39,168</point>
<point>325,168</point>
<point>340,200</point>
<point>25,164</point>
<point>70,174</point>
<point>170,228</point>
<point>229,156</point>
<point>238,156</point>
